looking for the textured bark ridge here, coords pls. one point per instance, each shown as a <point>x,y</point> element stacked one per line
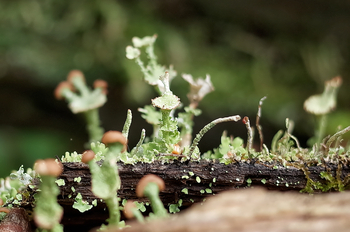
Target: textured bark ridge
<point>189,181</point>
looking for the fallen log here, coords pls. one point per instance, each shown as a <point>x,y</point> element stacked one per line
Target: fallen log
<point>189,181</point>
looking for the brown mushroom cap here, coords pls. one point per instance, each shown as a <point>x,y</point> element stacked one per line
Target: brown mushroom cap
<point>101,84</point>
<point>60,87</point>
<point>74,74</point>
<point>129,205</point>
<point>114,137</point>
<point>145,180</point>
<point>87,156</point>
<point>48,167</point>
<point>4,210</point>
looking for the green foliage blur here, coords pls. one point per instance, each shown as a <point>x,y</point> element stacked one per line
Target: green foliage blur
<point>279,49</point>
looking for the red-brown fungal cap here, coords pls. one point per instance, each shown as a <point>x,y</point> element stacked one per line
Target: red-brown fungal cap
<point>144,181</point>
<point>48,167</point>
<point>4,209</point>
<point>114,137</point>
<point>87,156</point>
<point>74,74</point>
<point>129,205</point>
<point>101,84</point>
<point>60,87</point>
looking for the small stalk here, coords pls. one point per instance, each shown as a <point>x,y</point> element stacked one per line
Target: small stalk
<point>207,127</point>
<point>138,145</point>
<point>150,186</point>
<point>275,139</point>
<point>113,209</point>
<point>127,124</point>
<point>152,193</point>
<point>93,127</point>
<point>250,134</point>
<point>336,135</point>
<point>258,126</point>
<point>322,122</point>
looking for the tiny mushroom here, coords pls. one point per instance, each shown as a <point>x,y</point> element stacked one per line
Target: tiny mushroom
<point>131,211</point>
<point>48,167</point>
<point>103,85</point>
<point>150,186</point>
<point>75,74</point>
<point>4,209</point>
<point>87,156</point>
<point>61,88</point>
<point>114,139</point>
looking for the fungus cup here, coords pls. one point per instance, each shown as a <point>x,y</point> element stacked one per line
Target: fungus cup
<point>131,211</point>
<point>47,212</point>
<point>150,186</point>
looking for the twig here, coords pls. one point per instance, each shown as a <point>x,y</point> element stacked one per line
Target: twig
<point>336,135</point>
<point>258,126</point>
<point>250,134</point>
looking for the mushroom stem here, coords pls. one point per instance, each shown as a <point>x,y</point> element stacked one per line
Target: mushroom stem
<point>151,191</point>
<point>138,215</point>
<point>320,132</point>
<point>113,209</point>
<point>93,125</point>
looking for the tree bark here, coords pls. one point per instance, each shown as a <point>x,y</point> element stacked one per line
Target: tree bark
<point>189,181</point>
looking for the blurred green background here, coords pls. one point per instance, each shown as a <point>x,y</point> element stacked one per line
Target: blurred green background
<point>284,50</point>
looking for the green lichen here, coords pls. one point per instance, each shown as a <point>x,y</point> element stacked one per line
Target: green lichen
<point>249,182</point>
<point>80,204</point>
<point>60,182</point>
<point>175,208</point>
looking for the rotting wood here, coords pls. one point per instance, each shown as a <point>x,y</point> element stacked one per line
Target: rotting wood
<point>211,175</point>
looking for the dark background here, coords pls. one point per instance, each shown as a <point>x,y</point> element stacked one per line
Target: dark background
<point>284,50</point>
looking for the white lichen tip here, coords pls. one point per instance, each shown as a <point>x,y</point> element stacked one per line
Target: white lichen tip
<point>132,53</point>
<point>145,41</point>
<point>199,87</point>
<point>324,103</point>
<point>166,102</point>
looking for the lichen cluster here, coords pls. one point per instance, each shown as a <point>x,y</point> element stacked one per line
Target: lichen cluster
<point>171,139</point>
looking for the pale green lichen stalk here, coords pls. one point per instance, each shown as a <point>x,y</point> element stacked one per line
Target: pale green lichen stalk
<point>47,212</point>
<point>105,179</point>
<point>150,186</point>
<point>205,130</point>
<point>322,104</point>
